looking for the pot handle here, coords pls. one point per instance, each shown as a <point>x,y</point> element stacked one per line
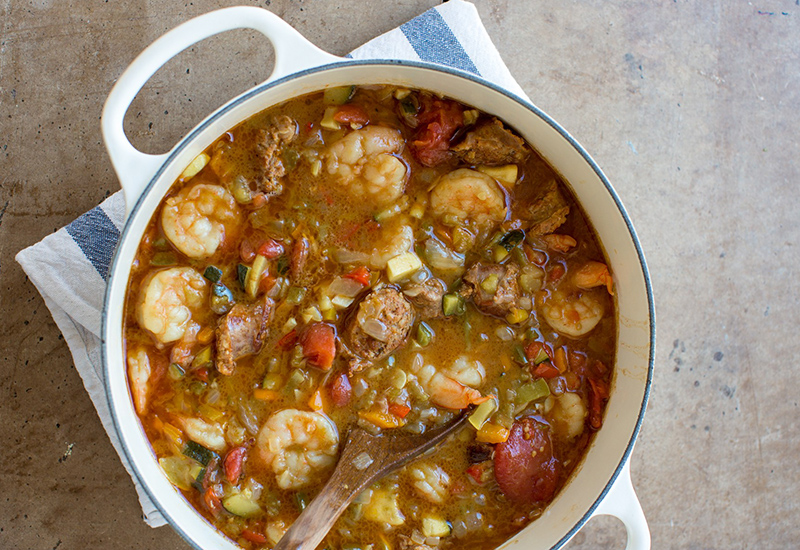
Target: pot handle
<point>293,53</point>
<point>622,503</point>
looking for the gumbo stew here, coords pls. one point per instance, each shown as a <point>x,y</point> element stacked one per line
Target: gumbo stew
<point>380,257</point>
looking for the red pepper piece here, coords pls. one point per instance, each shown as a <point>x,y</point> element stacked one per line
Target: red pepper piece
<point>360,274</point>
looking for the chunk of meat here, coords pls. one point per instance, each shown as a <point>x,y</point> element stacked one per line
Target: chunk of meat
<point>547,211</point>
<point>524,465</point>
<point>492,144</point>
<point>381,324</point>
<point>241,332</point>
<point>427,297</point>
<point>479,280</point>
<point>270,142</point>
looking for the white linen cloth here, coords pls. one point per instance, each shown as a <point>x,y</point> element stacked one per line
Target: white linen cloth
<point>70,267</point>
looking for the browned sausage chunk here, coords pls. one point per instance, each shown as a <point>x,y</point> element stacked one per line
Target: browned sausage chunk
<point>241,332</point>
<point>479,277</point>
<point>270,142</point>
<point>492,144</point>
<point>427,297</point>
<point>547,212</point>
<point>381,324</point>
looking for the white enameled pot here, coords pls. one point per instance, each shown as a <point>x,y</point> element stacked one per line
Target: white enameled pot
<point>601,484</point>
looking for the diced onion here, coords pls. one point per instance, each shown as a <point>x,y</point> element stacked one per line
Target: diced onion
<point>343,286</point>
<point>362,461</point>
<point>375,328</point>
<point>440,257</point>
<point>344,256</point>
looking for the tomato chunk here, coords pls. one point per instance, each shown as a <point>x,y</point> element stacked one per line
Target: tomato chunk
<point>438,121</point>
<point>359,274</point>
<point>319,345</point>
<point>399,410</point>
<point>341,390</point>
<point>351,114</point>
<point>524,465</point>
<point>253,536</point>
<point>270,249</point>
<point>233,463</point>
<point>288,340</point>
<point>597,398</point>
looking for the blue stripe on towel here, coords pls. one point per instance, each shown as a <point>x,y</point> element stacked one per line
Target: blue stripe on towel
<point>432,39</point>
<point>97,237</point>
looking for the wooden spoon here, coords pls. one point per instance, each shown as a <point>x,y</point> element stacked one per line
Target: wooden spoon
<point>388,452</point>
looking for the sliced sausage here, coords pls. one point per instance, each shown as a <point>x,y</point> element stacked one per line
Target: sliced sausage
<point>524,465</point>
<point>241,332</point>
<point>269,145</point>
<point>503,299</point>
<point>381,324</point>
<point>492,144</point>
<point>427,297</point>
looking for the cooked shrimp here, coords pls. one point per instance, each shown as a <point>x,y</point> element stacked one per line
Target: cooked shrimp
<point>594,274</point>
<point>430,481</point>
<point>573,314</point>
<point>195,220</point>
<point>465,195</point>
<point>452,388</point>
<point>298,444</point>
<point>167,301</point>
<point>396,238</point>
<point>365,164</point>
<point>559,242</point>
<point>205,433</point>
<point>568,415</point>
<point>139,373</point>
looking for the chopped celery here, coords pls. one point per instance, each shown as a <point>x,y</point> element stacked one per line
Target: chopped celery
<point>453,304</point>
<point>213,273</point>
<point>541,357</point>
<point>489,284</point>
<point>338,95</point>
<point>199,453</point>
<point>519,354</point>
<point>176,372</point>
<point>295,295</point>
<point>164,259</point>
<point>203,358</point>
<point>532,391</point>
<point>161,244</point>
<point>328,121</point>
<point>484,411</point>
<point>272,381</point>
<point>424,334</point>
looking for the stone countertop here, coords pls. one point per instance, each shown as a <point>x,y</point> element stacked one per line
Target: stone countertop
<point>692,109</point>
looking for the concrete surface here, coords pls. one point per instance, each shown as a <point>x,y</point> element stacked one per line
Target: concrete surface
<point>691,108</point>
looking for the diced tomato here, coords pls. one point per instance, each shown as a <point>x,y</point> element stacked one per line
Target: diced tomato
<point>288,340</point>
<point>524,465</point>
<point>266,283</point>
<point>247,251</point>
<point>212,502</point>
<point>319,345</point>
<point>253,536</point>
<point>479,472</point>
<point>341,390</point>
<point>597,398</point>
<point>533,349</point>
<point>438,121</point>
<point>399,410</point>
<point>545,370</point>
<point>359,274</point>
<point>270,249</point>
<point>556,272</point>
<point>233,463</point>
<point>202,374</point>
<point>351,114</point>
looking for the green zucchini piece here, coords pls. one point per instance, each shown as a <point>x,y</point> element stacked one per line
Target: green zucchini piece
<point>532,391</point>
<point>164,259</point>
<point>511,239</point>
<point>240,504</point>
<point>424,334</point>
<point>213,273</point>
<point>199,453</point>
<point>338,95</point>
<point>241,273</point>
<point>221,299</point>
<point>453,304</point>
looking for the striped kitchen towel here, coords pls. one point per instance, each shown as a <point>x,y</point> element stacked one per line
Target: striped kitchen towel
<point>70,267</point>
